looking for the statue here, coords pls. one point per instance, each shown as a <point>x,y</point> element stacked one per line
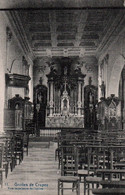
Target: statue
<point>102,86</point>
<point>90,98</point>
<point>39,98</point>
<point>78,69</point>
<point>65,104</point>
<point>65,70</point>
<point>53,70</point>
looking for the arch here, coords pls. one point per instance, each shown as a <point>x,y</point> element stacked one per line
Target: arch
<point>115,76</point>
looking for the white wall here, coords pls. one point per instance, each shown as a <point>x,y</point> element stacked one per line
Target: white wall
<point>10,52</point>
<point>2,69</point>
<point>115,65</point>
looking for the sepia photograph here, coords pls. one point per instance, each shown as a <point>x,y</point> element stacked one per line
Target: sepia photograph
<point>62,97</point>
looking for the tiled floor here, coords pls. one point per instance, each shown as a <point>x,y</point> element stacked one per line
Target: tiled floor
<point>37,174</point>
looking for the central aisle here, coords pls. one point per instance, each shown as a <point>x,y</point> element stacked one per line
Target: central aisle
<point>38,168</point>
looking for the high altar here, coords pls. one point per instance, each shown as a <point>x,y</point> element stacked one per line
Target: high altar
<point>65,101</point>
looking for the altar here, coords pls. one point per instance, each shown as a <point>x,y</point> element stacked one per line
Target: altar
<point>65,101</point>
<point>65,121</point>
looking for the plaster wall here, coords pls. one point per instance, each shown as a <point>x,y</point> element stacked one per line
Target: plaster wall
<point>14,54</point>
<point>10,53</point>
<point>2,69</point>
<point>116,61</point>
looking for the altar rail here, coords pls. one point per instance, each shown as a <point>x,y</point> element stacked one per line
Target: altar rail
<point>53,131</point>
<point>49,132</point>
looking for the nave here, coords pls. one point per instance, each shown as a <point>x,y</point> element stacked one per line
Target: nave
<point>38,168</point>
<point>83,163</point>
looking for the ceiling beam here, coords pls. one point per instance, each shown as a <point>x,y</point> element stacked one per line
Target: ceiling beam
<point>82,17</point>
<point>52,18</point>
<point>60,51</point>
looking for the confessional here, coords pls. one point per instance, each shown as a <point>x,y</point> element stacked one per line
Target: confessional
<point>109,113</point>
<point>18,114</point>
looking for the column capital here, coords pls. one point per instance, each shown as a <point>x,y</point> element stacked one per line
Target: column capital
<point>51,104</point>
<point>79,104</point>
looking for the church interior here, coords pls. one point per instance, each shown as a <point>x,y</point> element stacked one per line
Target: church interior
<point>62,97</point>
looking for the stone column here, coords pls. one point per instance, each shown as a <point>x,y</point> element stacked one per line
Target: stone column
<point>2,70</point>
<point>79,97</point>
<point>82,96</point>
<point>99,82</point>
<point>51,98</point>
<point>48,92</point>
<point>123,80</point>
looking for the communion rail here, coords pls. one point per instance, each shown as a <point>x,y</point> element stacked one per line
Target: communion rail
<point>54,131</point>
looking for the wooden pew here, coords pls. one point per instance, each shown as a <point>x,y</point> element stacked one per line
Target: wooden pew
<point>107,191</point>
<point>69,169</point>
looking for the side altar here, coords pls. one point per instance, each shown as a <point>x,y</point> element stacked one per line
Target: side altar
<point>65,101</point>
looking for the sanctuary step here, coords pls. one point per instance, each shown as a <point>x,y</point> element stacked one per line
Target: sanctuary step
<point>42,139</point>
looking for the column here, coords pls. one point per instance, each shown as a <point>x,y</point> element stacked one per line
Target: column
<point>79,97</point>
<point>2,70</point>
<point>106,63</point>
<point>99,82</point>
<point>82,98</point>
<point>51,98</point>
<point>123,95</point>
<point>48,94</point>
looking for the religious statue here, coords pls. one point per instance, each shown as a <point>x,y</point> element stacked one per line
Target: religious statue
<point>90,98</point>
<point>78,70</point>
<point>53,69</point>
<point>65,104</point>
<point>39,98</point>
<point>65,70</point>
<point>102,86</point>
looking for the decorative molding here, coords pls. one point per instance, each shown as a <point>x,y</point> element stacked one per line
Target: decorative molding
<point>112,31</point>
<point>19,33</point>
<point>89,67</point>
<point>111,99</point>
<point>8,34</point>
<point>66,52</point>
<point>52,18</point>
<point>11,66</point>
<point>17,80</point>
<point>124,3</point>
<point>82,18</point>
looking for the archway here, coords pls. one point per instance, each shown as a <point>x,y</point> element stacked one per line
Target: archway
<point>115,76</point>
